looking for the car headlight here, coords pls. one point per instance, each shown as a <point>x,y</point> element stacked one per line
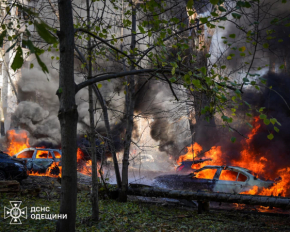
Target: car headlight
<point>19,165</point>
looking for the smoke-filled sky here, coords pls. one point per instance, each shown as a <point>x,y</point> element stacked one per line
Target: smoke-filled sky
<point>167,120</point>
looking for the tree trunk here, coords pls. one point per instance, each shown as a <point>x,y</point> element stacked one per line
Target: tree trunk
<point>109,134</point>
<point>94,193</point>
<point>68,116</point>
<point>130,104</point>
<point>203,130</point>
<point>280,202</point>
<point>107,123</point>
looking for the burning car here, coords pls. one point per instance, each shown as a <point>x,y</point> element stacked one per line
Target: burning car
<point>41,160</point>
<point>227,179</point>
<point>11,168</point>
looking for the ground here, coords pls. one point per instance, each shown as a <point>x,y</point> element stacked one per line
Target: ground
<point>137,215</point>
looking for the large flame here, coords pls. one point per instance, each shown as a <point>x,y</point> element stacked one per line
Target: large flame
<point>191,154</point>
<point>17,141</point>
<point>249,159</point>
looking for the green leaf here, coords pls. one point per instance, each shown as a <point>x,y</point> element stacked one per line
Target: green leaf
<point>59,91</point>
<point>236,16</point>
<point>203,20</point>
<point>173,71</point>
<point>276,129</point>
<point>172,79</point>
<point>214,2</point>
<point>203,70</point>
<point>29,44</point>
<point>270,136</point>
<point>11,47</point>
<point>266,45</point>
<point>189,4</point>
<point>232,36</point>
<point>18,59</point>
<point>242,49</point>
<point>282,66</point>
<point>41,64</point>
<point>99,86</point>
<point>266,121</point>
<point>31,65</point>
<point>233,139</point>
<point>44,33</point>
<point>196,83</point>
<point>221,9</point>
<point>263,116</point>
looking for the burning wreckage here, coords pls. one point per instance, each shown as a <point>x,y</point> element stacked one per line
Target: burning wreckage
<point>40,160</point>
<point>226,179</point>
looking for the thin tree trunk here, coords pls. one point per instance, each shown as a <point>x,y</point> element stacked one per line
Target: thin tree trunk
<point>107,124</point>
<point>94,193</point>
<point>109,134</point>
<point>68,116</point>
<point>130,104</point>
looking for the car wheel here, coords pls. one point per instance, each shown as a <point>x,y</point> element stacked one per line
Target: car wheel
<point>2,175</point>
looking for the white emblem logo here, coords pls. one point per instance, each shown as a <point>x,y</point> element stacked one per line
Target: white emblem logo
<point>15,212</point>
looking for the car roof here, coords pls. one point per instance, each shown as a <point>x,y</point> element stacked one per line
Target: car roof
<point>225,166</point>
<point>34,148</point>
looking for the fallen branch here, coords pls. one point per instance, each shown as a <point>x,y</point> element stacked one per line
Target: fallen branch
<point>279,202</point>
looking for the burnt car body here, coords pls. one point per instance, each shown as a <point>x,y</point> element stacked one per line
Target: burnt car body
<point>11,169</point>
<point>40,159</point>
<point>227,179</point>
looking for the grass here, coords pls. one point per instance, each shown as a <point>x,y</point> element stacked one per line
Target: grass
<point>137,216</point>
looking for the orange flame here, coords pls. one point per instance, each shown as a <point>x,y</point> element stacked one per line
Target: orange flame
<point>17,141</point>
<point>249,159</point>
<point>192,151</point>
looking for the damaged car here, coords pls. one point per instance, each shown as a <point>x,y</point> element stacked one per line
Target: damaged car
<point>11,169</point>
<point>226,179</point>
<point>40,159</point>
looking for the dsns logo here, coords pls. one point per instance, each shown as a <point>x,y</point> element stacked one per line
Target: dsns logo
<point>15,212</point>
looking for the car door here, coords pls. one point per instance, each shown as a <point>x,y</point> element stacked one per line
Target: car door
<point>202,180</point>
<point>230,181</point>
<point>42,159</point>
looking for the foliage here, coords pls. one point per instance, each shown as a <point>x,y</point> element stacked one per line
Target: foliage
<point>169,36</point>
